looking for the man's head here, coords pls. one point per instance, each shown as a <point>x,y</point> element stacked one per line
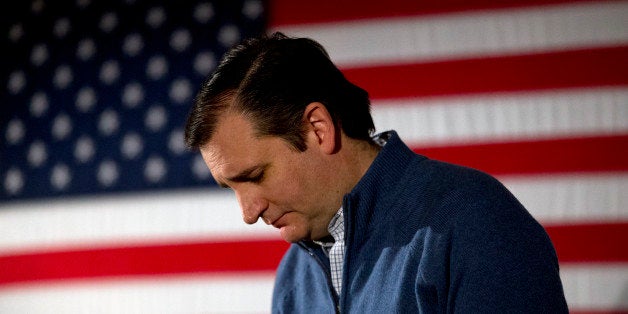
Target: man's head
<point>280,125</point>
<point>271,80</point>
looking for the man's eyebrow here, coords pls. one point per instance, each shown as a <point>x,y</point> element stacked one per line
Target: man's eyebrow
<point>246,174</point>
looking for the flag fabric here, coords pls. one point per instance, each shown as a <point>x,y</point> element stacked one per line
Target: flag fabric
<point>103,210</point>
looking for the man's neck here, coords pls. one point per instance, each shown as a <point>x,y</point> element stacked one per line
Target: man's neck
<point>358,158</point>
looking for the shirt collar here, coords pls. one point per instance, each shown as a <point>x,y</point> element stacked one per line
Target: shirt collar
<point>336,228</point>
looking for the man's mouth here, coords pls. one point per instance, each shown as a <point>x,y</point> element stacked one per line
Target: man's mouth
<point>274,221</point>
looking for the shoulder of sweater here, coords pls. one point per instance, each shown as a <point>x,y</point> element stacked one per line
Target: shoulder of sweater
<point>445,192</point>
<point>434,174</point>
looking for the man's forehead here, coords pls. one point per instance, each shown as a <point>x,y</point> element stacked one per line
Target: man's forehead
<point>232,133</point>
<point>232,146</point>
<point>226,157</point>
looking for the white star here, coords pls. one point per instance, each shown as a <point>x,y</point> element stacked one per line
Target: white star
<point>228,35</point>
<point>84,149</point>
<point>109,72</point>
<point>60,177</point>
<point>15,131</point>
<point>37,154</point>
<point>82,4</point>
<point>13,181</point>
<point>39,54</point>
<point>133,44</point>
<point>107,173</point>
<point>131,146</point>
<point>180,40</point>
<point>132,95</point>
<point>154,169</point>
<point>155,17</point>
<point>16,32</point>
<point>199,168</point>
<point>17,81</point>
<point>61,27</point>
<point>108,22</point>
<point>63,77</point>
<point>108,122</point>
<point>157,67</point>
<point>203,12</point>
<point>252,9</point>
<point>61,127</point>
<point>180,90</point>
<point>39,104</point>
<point>155,118</point>
<point>176,142</point>
<point>86,49</point>
<point>37,6</point>
<point>85,99</point>
<point>204,63</point>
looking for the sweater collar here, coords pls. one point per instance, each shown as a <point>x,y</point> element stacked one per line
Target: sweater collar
<point>374,190</point>
<point>374,194</point>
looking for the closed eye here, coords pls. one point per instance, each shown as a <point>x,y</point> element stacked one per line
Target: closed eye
<point>253,175</point>
<point>258,178</point>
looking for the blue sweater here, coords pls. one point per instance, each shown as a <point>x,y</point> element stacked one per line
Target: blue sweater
<point>423,236</point>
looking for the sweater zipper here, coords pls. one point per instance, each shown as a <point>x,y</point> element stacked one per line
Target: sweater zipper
<point>327,272</point>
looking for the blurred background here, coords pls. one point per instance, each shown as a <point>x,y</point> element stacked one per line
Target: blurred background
<point>102,209</point>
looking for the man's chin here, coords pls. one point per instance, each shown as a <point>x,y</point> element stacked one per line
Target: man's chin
<point>291,234</point>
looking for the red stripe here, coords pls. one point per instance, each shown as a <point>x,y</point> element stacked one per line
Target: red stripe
<point>574,244</point>
<point>590,243</point>
<point>590,154</point>
<point>564,69</point>
<point>148,260</point>
<point>290,12</point>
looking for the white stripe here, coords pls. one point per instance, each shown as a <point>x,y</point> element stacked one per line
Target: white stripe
<point>480,33</point>
<point>505,117</point>
<point>244,293</point>
<point>564,199</point>
<point>596,287</point>
<point>586,287</point>
<point>125,219</point>
<point>214,216</point>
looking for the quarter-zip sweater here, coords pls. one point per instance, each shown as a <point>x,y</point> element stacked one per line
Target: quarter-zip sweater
<point>424,236</point>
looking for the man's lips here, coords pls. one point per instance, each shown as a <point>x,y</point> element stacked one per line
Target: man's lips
<point>275,222</point>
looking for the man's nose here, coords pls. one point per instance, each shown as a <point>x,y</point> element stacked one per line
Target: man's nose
<point>252,206</point>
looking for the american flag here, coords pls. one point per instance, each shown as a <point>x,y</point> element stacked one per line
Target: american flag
<point>103,210</point>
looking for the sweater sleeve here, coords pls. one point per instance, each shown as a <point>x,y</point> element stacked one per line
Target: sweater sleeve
<point>501,259</point>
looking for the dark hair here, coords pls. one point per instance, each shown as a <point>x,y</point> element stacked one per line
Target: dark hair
<point>270,80</point>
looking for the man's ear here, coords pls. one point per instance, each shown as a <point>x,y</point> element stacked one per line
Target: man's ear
<point>320,128</point>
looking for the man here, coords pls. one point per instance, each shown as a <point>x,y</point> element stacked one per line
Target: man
<point>375,228</point>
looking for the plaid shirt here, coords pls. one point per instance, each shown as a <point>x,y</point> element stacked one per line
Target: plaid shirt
<point>336,250</point>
